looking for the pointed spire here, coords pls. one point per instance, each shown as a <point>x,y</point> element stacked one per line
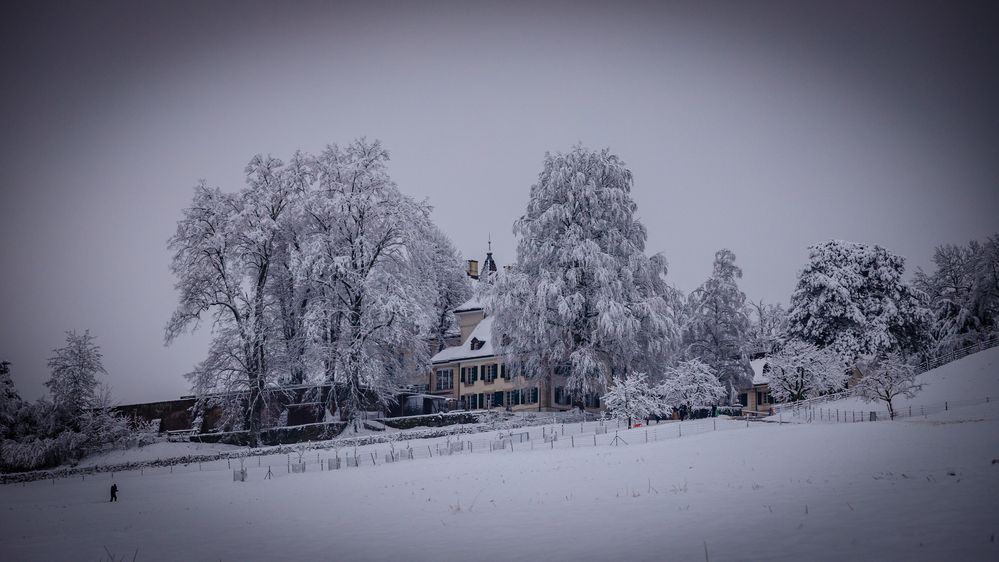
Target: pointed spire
<point>489,266</point>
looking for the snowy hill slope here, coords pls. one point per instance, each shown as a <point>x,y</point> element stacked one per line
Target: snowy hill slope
<point>969,380</point>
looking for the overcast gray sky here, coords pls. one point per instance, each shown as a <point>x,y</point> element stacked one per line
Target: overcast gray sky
<point>762,127</point>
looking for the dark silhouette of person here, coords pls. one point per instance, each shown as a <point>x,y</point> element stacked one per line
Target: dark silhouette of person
<point>114,492</point>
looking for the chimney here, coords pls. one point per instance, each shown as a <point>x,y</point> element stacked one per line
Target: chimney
<point>473,269</point>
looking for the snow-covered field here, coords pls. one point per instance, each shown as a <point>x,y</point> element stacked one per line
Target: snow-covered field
<point>914,489</point>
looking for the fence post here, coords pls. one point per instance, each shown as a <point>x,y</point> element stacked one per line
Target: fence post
<point>945,406</point>
<point>572,439</point>
<point>594,439</point>
<point>646,436</point>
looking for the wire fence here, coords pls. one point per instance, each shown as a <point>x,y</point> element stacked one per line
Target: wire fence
<point>551,437</point>
<point>814,413</point>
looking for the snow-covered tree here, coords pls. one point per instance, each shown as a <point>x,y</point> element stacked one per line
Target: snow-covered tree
<point>78,421</point>
<point>75,367</point>
<point>716,326</point>
<point>851,297</point>
<point>767,323</point>
<point>291,294</point>
<point>886,378</point>
<point>632,397</point>
<point>452,285</point>
<point>583,299</point>
<point>691,384</point>
<point>317,271</point>
<point>800,370</point>
<point>100,424</point>
<point>10,400</point>
<point>223,252</point>
<point>367,252</point>
<point>963,293</point>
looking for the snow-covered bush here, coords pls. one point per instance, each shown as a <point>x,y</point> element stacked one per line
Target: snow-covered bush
<point>800,370</point>
<point>691,384</point>
<point>632,397</point>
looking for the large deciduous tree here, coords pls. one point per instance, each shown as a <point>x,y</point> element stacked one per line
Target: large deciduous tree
<point>367,252</point>
<point>583,299</point>
<point>964,293</point>
<point>224,250</point>
<point>318,271</point>
<point>767,323</point>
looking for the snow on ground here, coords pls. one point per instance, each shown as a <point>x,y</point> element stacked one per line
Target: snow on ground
<point>915,489</point>
<point>156,451</point>
<point>965,381</point>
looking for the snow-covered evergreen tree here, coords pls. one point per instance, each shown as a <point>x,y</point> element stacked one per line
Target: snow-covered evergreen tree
<point>851,297</point>
<point>75,367</point>
<point>10,400</point>
<point>633,398</point>
<point>800,370</point>
<point>583,299</point>
<point>886,378</point>
<point>691,384</point>
<point>716,328</point>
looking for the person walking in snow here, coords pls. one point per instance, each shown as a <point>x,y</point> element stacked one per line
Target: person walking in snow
<point>114,492</point>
